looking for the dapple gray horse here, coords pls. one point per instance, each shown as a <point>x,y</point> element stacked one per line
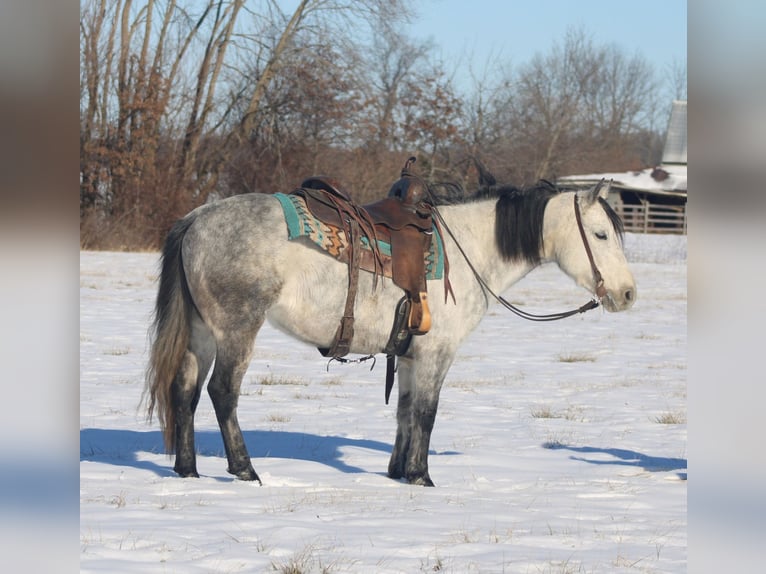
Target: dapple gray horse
<point>228,266</point>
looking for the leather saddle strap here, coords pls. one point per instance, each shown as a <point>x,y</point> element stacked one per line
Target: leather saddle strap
<point>390,370</point>
<point>447,284</point>
<point>341,344</point>
<point>364,224</point>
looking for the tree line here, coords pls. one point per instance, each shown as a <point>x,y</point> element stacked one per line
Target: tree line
<point>184,102</point>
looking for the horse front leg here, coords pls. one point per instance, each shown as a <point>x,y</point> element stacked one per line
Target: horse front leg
<point>420,382</point>
<point>397,463</point>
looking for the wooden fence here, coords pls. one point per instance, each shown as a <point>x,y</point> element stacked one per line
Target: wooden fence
<point>652,218</point>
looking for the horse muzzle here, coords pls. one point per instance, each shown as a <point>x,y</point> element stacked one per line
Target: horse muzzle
<point>620,299</point>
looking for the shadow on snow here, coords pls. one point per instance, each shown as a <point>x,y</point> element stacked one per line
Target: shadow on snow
<point>624,457</point>
<point>123,447</point>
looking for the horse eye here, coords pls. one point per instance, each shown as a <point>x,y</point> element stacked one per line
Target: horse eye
<point>600,235</point>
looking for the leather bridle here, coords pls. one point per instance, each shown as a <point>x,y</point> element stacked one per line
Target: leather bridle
<point>600,289</point>
<point>592,304</point>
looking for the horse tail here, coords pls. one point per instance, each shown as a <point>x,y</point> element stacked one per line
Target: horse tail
<point>170,332</point>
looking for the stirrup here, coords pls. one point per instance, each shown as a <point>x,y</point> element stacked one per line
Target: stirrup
<point>419,322</point>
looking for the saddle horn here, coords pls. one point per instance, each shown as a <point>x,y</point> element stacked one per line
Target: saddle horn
<point>410,189</point>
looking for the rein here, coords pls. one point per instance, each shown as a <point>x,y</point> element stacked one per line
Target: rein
<point>592,304</point>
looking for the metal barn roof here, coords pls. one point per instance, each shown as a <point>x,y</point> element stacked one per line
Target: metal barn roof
<point>665,180</point>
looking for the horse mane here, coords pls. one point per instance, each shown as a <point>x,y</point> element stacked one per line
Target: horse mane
<point>519,219</point>
<point>519,215</point>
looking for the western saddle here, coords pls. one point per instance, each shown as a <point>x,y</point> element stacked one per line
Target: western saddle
<point>404,220</point>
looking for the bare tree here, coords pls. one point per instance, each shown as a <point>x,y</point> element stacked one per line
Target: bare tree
<point>312,23</point>
<point>210,67</point>
<point>92,77</point>
<point>181,99</point>
<point>549,97</point>
<point>481,133</point>
<point>675,76</point>
<point>132,60</point>
<point>164,108</point>
<point>618,99</point>
<point>392,59</point>
<point>577,107</point>
<point>432,119</point>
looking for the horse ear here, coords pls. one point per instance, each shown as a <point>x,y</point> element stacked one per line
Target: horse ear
<point>601,189</point>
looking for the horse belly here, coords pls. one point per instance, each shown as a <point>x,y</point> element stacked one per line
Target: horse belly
<point>313,297</point>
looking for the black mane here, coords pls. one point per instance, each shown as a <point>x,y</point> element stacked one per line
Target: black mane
<point>518,215</point>
<point>519,219</point>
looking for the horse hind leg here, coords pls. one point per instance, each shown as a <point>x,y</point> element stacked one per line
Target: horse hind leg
<point>185,394</point>
<point>232,360</point>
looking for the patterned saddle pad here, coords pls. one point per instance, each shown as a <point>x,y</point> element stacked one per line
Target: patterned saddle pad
<point>301,223</point>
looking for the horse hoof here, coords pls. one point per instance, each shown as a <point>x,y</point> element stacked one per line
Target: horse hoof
<point>187,473</point>
<point>252,478</point>
<point>421,481</point>
<point>248,474</point>
<point>395,475</point>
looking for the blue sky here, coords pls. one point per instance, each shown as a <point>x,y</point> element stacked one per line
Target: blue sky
<point>514,31</point>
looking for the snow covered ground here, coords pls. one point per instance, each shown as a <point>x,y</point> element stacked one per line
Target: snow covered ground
<point>558,447</point>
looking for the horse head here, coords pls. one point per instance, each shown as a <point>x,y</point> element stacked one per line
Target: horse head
<point>588,246</point>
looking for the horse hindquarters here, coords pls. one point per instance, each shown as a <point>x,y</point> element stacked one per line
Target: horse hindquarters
<point>199,318</point>
<point>233,277</point>
<point>181,354</point>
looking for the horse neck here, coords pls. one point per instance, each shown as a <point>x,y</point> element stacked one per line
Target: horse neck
<point>473,225</point>
<point>559,227</point>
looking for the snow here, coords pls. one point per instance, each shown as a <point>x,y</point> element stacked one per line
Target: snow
<point>558,447</point>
